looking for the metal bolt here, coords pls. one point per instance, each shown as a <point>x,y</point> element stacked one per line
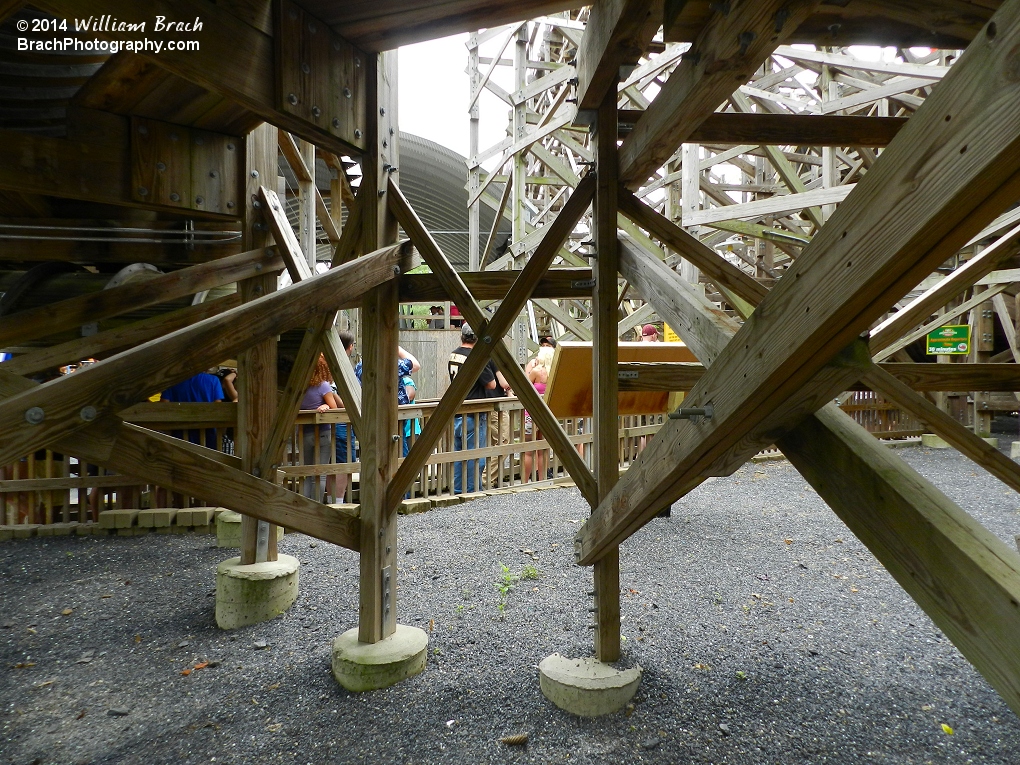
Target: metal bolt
<point>173,136</point>
<point>692,413</point>
<point>199,140</point>
<point>316,111</point>
<point>336,122</point>
<point>35,415</point>
<point>292,99</point>
<point>199,200</point>
<point>142,191</point>
<point>347,93</point>
<point>357,62</point>
<point>254,173</point>
<point>394,438</point>
<point>258,267</point>
<point>312,27</point>
<point>385,143</point>
<point>175,197</point>
<point>381,193</point>
<point>256,472</point>
<point>305,68</point>
<point>382,111</point>
<point>357,133</point>
<point>396,270</point>
<point>487,339</point>
<point>230,205</point>
<point>160,166</point>
<point>88,413</point>
<point>256,204</point>
<point>388,549</point>
<point>258,289</point>
<point>336,45</point>
<point>230,147</point>
<point>212,173</point>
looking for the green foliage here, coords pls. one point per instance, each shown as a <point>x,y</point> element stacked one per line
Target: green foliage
<point>530,572</point>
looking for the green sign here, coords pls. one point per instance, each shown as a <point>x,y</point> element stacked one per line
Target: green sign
<point>951,339</point>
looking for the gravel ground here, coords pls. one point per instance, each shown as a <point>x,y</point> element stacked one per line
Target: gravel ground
<point>767,634</point>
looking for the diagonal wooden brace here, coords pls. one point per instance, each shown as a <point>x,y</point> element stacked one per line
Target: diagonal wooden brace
<point>39,416</point>
<point>490,333</point>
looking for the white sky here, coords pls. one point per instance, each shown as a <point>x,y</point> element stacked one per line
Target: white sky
<point>433,91</point>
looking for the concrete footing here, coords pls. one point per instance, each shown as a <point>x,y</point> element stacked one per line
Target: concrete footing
<point>587,687</point>
<point>369,666</point>
<point>254,593</point>
<point>932,441</point>
<point>1014,449</point>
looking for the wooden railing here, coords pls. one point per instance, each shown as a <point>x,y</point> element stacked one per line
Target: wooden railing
<point>48,487</point>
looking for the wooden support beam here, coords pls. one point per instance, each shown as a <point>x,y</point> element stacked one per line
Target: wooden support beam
<point>256,364</point>
<point>617,34</point>
<point>724,56</point>
<point>720,272</point>
<point>781,204</point>
<point>936,296</point>
<point>964,577</point>
<point>605,357</point>
<point>556,283</point>
<point>494,329</point>
<point>881,242</point>
<point>969,444</point>
<point>760,129</point>
<point>115,340</point>
<point>70,403</point>
<point>71,313</point>
<point>377,611</point>
<point>247,74</point>
<point>189,469</point>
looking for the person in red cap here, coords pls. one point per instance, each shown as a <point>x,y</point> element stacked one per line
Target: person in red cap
<point>649,334</point>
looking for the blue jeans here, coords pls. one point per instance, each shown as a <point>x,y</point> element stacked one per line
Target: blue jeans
<point>469,440</point>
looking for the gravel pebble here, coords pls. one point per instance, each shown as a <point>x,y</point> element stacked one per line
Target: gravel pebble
<point>751,607</point>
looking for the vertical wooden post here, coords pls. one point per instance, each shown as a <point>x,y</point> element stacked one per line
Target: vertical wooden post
<point>378,580</point>
<point>306,218</point>
<point>474,173</point>
<point>604,362</point>
<point>256,367</point>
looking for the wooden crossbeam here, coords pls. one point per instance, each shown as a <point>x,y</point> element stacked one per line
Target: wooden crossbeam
<point>73,312</point>
<point>62,406</point>
<point>617,34</point>
<point>339,362</point>
<point>964,577</point>
<point>490,332</point>
<point>559,283</point>
<point>725,55</point>
<point>789,129</point>
<point>684,375</point>
<point>879,243</point>
<point>921,307</point>
<point>183,467</point>
<point>964,439</point>
<point>114,340</point>
<point>718,270</point>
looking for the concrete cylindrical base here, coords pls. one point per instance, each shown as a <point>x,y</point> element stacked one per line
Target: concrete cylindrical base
<point>254,593</point>
<point>228,529</point>
<point>369,666</point>
<point>587,687</point>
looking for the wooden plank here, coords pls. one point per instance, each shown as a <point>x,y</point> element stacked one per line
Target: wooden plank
<point>559,283</point>
<point>882,241</point>
<point>130,377</point>
<point>944,377</point>
<point>605,390</point>
<point>964,439</point>
<point>719,271</point>
<point>965,578</point>
<point>936,296</point>
<point>617,34</point>
<point>290,150</point>
<point>659,375</point>
<point>797,130</point>
<point>114,340</point>
<point>726,53</point>
<point>493,328</point>
<point>781,204</point>
<point>67,314</point>
<point>189,469</point>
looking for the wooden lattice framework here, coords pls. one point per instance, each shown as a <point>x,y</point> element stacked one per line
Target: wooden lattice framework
<point>324,72</point>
